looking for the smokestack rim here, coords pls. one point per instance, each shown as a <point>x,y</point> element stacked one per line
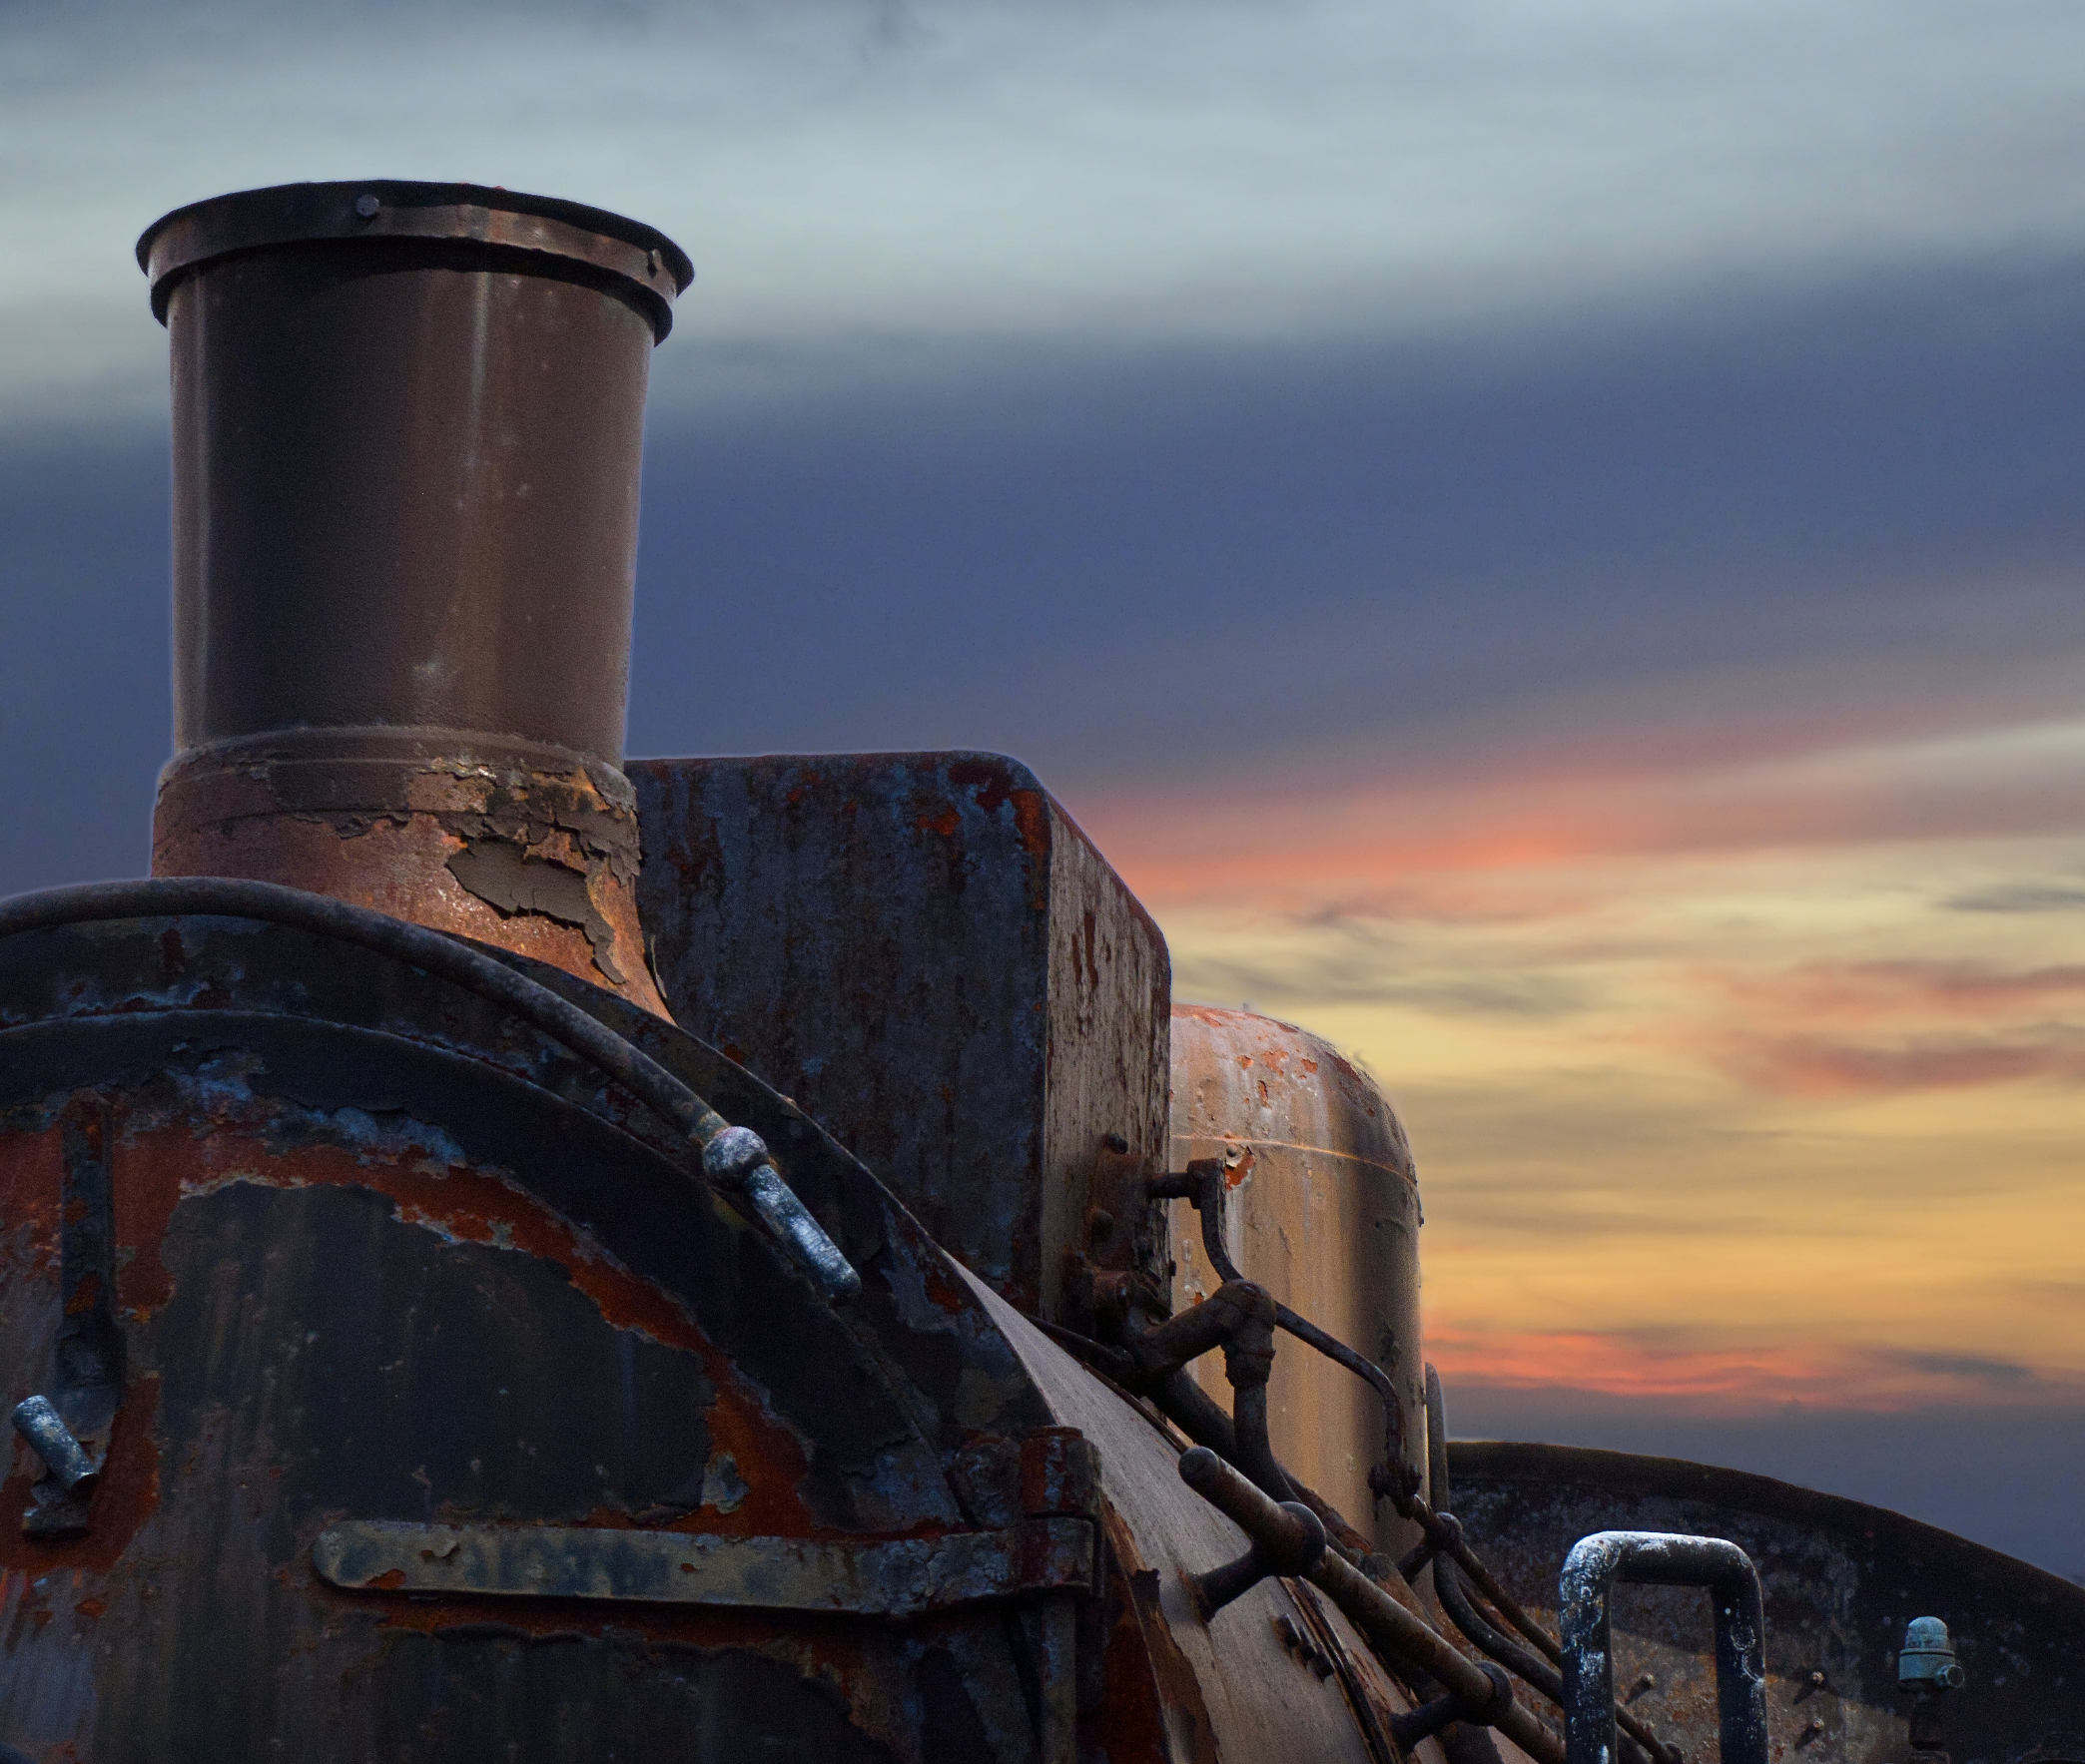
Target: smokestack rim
<point>189,239</point>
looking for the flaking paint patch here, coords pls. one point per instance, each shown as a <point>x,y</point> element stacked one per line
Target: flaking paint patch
<point>512,881</point>
<point>158,1169</point>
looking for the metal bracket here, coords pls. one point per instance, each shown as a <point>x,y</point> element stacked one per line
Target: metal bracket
<point>1429,1718</point>
<point>1292,1546</point>
<point>70,1429</point>
<point>902,1577</point>
<point>1661,1558</point>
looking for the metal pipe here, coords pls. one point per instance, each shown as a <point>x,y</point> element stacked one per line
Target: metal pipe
<point>1461,1610</point>
<point>1237,1317</point>
<point>1190,1407</point>
<point>486,977</point>
<point>408,427</point>
<point>1661,1558</point>
<point>1201,1185</point>
<point>1391,1629</point>
<point>1447,1710</point>
<point>1292,1546</point>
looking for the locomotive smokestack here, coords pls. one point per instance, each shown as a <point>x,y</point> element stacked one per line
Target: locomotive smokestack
<point>408,423</point>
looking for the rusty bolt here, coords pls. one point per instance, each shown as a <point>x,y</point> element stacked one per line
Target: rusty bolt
<point>1819,1682</point>
<point>367,205</point>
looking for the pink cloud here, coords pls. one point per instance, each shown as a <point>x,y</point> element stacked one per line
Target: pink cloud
<point>1828,1029</point>
<point>1728,1380</point>
<point>1799,1065</point>
<point>1304,838</point>
<point>1867,991</point>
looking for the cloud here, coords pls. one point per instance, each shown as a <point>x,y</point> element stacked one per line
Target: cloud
<point>1359,961</point>
<point>1780,1044</point>
<point>1704,1379</point>
<point>1858,992</point>
<point>856,178</point>
<point>1998,1375</point>
<point>1811,1067</point>
<point>2022,897</point>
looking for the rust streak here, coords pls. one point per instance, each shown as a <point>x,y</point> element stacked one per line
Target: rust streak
<point>160,1167</point>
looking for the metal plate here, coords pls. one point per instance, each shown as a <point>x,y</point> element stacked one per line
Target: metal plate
<point>902,1577</point>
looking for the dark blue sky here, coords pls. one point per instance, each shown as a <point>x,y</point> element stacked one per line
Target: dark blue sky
<point>1194,564</point>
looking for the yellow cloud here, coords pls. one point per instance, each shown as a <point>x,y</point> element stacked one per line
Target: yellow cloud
<point>1733,1112</point>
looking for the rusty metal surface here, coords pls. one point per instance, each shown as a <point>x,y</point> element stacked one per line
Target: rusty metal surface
<point>902,1577</point>
<point>1237,1689</point>
<point>1323,1211</point>
<point>927,952</point>
<point>382,1255</point>
<point>405,470</point>
<point>1841,1579</point>
<point>533,850</point>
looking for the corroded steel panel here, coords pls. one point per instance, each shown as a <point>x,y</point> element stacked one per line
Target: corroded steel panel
<point>1322,1209</point>
<point>532,848</point>
<point>1841,1581</point>
<point>383,1254</point>
<point>926,952</point>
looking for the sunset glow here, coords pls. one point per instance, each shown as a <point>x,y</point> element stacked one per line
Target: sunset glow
<point>1736,1082</point>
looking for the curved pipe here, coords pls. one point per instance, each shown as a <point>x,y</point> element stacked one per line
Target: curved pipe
<point>739,1164</point>
<point>1464,1614</point>
<point>1237,1317</point>
<point>1391,1629</point>
<point>1201,1186</point>
<point>1661,1558</point>
<point>1191,1408</point>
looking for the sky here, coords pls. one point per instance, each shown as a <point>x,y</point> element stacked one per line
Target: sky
<point>1542,540</point>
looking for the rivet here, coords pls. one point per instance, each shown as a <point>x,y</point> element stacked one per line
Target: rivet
<point>367,204</point>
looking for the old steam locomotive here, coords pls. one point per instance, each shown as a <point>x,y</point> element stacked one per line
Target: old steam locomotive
<point>507,1255</point>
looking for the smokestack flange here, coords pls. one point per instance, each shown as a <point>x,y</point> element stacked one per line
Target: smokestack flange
<point>407,429</point>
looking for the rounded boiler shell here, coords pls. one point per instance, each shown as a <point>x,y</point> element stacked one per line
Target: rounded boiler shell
<point>1322,1209</point>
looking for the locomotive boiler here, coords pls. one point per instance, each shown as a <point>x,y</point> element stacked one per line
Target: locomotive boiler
<point>509,1253</point>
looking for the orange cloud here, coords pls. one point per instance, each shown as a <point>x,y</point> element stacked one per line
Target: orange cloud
<point>1786,1046</point>
<point>1560,971</point>
<point>1867,991</point>
<point>1809,1066</point>
<point>1300,839</point>
<point>1730,1379</point>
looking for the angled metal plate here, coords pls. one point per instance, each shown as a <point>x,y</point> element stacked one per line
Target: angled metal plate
<point>903,1577</point>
